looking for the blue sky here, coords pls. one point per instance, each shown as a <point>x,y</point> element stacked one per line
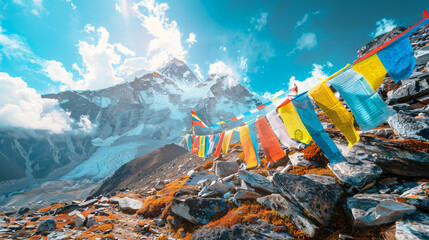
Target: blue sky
<point>80,44</point>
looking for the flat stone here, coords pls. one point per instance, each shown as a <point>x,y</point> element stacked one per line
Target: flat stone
<point>114,200</point>
<point>87,203</point>
<point>216,188</point>
<point>128,205</point>
<point>289,210</point>
<point>243,195</point>
<point>318,195</point>
<point>15,227</point>
<point>257,181</point>
<point>203,183</point>
<point>46,225</point>
<point>410,127</point>
<point>355,172</point>
<point>79,220</point>
<point>159,185</point>
<point>103,200</point>
<point>199,210</point>
<point>385,212</point>
<point>415,227</point>
<point>198,176</point>
<point>417,196</point>
<point>224,169</point>
<point>30,227</point>
<point>297,159</point>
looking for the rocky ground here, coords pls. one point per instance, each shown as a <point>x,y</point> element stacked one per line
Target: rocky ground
<point>381,192</point>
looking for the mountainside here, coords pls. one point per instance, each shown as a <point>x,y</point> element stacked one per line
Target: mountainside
<point>132,119</point>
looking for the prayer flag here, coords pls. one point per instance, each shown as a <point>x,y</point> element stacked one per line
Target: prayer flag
<point>207,146</point>
<point>254,137</point>
<point>280,130</point>
<point>227,140</point>
<point>294,124</point>
<point>272,148</point>
<point>367,107</point>
<point>336,112</point>
<point>219,144</point>
<point>201,150</point>
<point>248,148</point>
<point>309,117</point>
<point>196,120</point>
<point>196,145</point>
<point>189,139</point>
<point>373,70</point>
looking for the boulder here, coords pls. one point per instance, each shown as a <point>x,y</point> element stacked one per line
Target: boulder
<point>79,220</point>
<point>244,195</point>
<point>203,183</point>
<point>91,221</point>
<point>417,196</point>
<point>159,185</point>
<point>411,90</point>
<point>286,208</point>
<point>23,210</point>
<point>216,188</point>
<point>224,169</point>
<point>87,203</point>
<point>318,195</point>
<point>46,225</point>
<point>195,177</point>
<point>239,231</point>
<point>410,127</point>
<point>199,210</point>
<point>392,157</point>
<point>128,205</point>
<point>415,227</point>
<point>297,159</point>
<point>386,211</point>
<point>257,181</point>
<point>356,173</point>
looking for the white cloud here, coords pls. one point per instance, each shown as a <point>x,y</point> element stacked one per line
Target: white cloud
<point>22,107</point>
<point>305,19</point>
<point>89,28</point>
<point>383,26</point>
<point>167,38</point>
<point>77,68</point>
<point>243,64</point>
<point>270,96</point>
<point>35,7</point>
<point>85,125</point>
<point>316,73</point>
<point>13,46</point>
<point>71,4</point>
<point>132,65</point>
<point>260,21</point>
<point>192,38</point>
<point>56,72</point>
<point>124,50</point>
<point>220,68</point>
<point>99,60</point>
<point>197,71</point>
<point>117,8</point>
<point>307,41</point>
<point>223,48</point>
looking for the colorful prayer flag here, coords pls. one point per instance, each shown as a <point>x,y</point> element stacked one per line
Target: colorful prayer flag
<point>335,111</point>
<point>272,148</point>
<point>196,145</point>
<point>250,155</point>
<point>196,121</point>
<point>280,130</point>
<point>202,149</point>
<point>294,124</point>
<point>219,144</point>
<point>367,107</point>
<point>309,117</point>
<point>227,140</point>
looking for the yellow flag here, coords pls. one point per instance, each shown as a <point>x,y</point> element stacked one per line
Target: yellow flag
<point>227,140</point>
<point>336,112</point>
<point>202,147</point>
<point>373,70</point>
<point>293,123</point>
<point>248,148</point>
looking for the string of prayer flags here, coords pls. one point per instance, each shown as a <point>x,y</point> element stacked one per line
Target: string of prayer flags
<point>367,107</point>
<point>305,110</point>
<point>272,148</point>
<point>280,130</point>
<point>293,123</point>
<point>227,140</point>
<point>250,155</point>
<point>336,112</point>
<point>218,148</point>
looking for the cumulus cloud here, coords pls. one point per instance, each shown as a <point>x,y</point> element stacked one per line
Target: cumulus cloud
<point>132,65</point>
<point>167,38</point>
<point>13,46</point>
<point>22,107</point>
<point>383,26</point>
<point>220,68</point>
<point>197,71</point>
<point>260,21</point>
<point>35,7</point>
<point>316,73</point>
<point>192,38</point>
<point>305,18</point>
<point>270,96</point>
<point>307,41</point>
<point>56,72</point>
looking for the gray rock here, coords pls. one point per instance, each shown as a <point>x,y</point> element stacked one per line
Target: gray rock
<point>87,203</point>
<point>318,195</point>
<point>159,185</point>
<point>199,210</point>
<point>415,227</point>
<point>386,211</point>
<point>114,200</point>
<point>203,183</point>
<point>297,159</point>
<point>75,212</point>
<point>91,222</point>
<point>46,225</point>
<point>128,205</point>
<point>392,157</point>
<point>410,127</point>
<point>355,172</point>
<point>79,220</point>
<point>408,91</point>
<point>257,181</point>
<point>103,200</point>
<point>216,188</point>
<point>14,227</point>
<point>418,196</point>
<point>223,169</point>
<point>286,208</point>
<point>57,235</point>
<point>243,195</point>
<point>23,210</point>
<point>198,176</point>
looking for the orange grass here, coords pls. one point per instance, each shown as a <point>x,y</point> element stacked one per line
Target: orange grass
<point>49,208</point>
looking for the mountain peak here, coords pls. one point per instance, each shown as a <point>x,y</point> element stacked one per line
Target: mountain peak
<point>180,73</point>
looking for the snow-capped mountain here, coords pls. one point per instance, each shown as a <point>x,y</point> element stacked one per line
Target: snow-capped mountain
<point>132,119</point>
